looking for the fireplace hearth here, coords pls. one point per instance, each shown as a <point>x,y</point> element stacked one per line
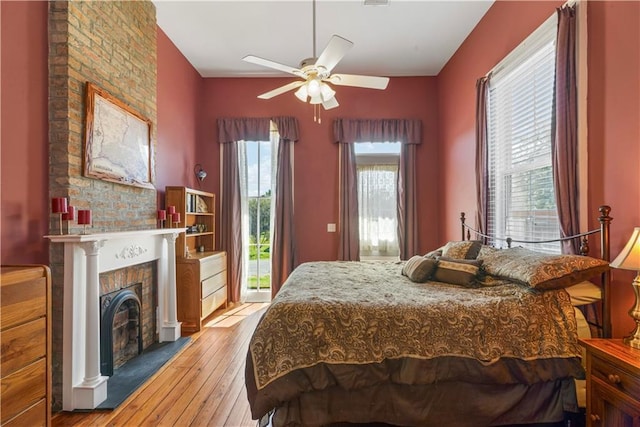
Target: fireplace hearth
<point>120,328</point>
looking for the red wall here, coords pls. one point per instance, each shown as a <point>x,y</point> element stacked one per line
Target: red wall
<point>316,156</point>
<point>614,133</point>
<point>24,152</point>
<point>179,106</point>
<point>613,116</point>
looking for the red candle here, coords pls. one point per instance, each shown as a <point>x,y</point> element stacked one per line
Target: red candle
<point>162,214</point>
<point>171,210</point>
<point>59,205</point>
<point>84,216</point>
<point>70,215</point>
<point>175,216</point>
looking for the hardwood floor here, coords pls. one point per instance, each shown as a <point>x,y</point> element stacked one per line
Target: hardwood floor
<point>201,386</point>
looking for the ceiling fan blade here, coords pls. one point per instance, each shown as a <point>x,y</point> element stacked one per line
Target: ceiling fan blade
<point>281,89</point>
<point>332,103</point>
<point>334,52</point>
<point>370,82</point>
<point>271,64</point>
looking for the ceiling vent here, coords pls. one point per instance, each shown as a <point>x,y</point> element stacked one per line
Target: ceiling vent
<point>376,2</point>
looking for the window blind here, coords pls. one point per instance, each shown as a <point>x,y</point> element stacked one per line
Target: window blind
<point>519,114</point>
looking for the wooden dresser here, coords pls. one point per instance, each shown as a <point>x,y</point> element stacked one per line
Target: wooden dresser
<point>201,287</point>
<point>613,383</point>
<point>25,336</point>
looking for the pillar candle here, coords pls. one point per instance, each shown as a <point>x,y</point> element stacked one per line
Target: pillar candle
<point>59,205</point>
<point>71,213</point>
<point>162,214</point>
<point>171,210</point>
<point>84,216</point>
<point>175,217</point>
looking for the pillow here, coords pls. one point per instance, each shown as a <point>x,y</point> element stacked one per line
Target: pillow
<point>465,249</point>
<point>435,253</point>
<point>457,271</point>
<point>542,271</point>
<point>584,293</point>
<point>419,269</point>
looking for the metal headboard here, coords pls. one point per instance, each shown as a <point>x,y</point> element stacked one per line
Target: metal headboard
<point>605,222</point>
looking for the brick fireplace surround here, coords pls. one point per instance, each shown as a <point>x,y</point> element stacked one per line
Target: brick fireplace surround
<point>85,257</point>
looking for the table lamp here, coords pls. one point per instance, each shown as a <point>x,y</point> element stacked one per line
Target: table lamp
<point>629,259</point>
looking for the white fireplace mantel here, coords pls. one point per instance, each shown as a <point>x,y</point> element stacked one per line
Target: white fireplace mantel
<point>85,257</point>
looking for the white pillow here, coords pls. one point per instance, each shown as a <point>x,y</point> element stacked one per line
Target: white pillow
<point>584,293</point>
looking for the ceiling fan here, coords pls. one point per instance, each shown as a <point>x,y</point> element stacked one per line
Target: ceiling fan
<point>315,73</point>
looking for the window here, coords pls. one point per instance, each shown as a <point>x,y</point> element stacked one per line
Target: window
<point>377,171</point>
<point>520,107</point>
<point>258,162</point>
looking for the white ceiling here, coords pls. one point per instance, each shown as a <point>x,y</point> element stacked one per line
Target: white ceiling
<point>403,38</point>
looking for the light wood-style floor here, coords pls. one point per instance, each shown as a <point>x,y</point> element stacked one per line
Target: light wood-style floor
<point>201,386</point>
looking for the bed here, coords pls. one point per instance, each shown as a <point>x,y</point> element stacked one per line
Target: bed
<point>457,337</point>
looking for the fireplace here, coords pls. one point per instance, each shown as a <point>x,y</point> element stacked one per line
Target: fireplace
<point>86,257</point>
<point>120,328</point>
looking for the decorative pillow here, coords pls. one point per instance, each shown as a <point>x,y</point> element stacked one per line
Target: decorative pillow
<point>464,249</point>
<point>419,269</point>
<point>542,271</point>
<point>457,271</point>
<point>434,254</point>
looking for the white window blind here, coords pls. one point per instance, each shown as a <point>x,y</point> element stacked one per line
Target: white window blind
<point>520,106</point>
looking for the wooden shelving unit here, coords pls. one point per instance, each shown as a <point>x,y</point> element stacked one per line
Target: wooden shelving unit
<point>196,208</point>
<point>201,271</point>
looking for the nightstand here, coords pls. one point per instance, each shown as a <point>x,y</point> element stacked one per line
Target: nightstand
<point>613,383</point>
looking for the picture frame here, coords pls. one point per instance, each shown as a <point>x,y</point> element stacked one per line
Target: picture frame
<point>117,144</point>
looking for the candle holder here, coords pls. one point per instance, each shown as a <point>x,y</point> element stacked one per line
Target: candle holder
<point>162,216</point>
<point>70,215</point>
<point>84,218</point>
<point>59,207</point>
<point>175,219</point>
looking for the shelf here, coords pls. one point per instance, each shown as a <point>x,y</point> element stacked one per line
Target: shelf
<point>185,200</point>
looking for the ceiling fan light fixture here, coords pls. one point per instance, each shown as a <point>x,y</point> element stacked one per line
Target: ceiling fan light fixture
<point>302,93</point>
<point>326,92</point>
<point>316,99</point>
<point>313,87</point>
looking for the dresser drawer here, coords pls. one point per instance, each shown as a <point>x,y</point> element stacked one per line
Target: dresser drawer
<point>615,376</point>
<point>23,345</point>
<point>214,283</point>
<point>22,302</point>
<point>213,265</point>
<point>214,301</point>
<point>34,416</point>
<point>22,389</point>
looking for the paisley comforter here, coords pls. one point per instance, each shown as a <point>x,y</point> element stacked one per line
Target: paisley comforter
<point>361,325</point>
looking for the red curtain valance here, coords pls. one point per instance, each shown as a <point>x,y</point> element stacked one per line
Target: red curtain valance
<point>378,130</point>
<point>256,128</point>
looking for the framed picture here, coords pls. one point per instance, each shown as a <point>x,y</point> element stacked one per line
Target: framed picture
<point>117,141</point>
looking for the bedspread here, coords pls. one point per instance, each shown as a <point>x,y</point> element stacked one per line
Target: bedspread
<point>339,314</point>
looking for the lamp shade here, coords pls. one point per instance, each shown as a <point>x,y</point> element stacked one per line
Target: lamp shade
<point>629,258</point>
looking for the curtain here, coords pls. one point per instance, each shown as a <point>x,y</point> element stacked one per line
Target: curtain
<point>407,132</point>
<point>283,247</point>
<point>349,244</point>
<point>231,219</point>
<point>377,193</point>
<point>564,134</point>
<point>231,131</point>
<point>407,203</point>
<point>482,166</point>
